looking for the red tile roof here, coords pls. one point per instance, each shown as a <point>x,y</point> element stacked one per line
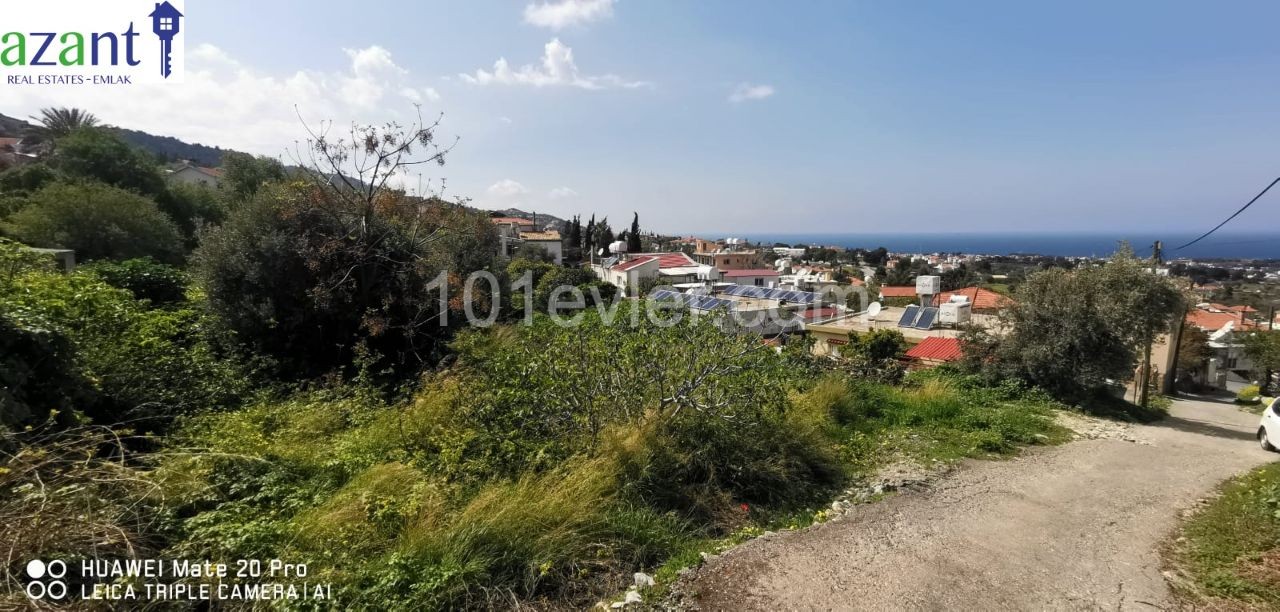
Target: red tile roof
<point>634,263</point>
<point>670,260</point>
<point>1225,308</point>
<point>891,291</point>
<point>934,348</point>
<point>857,282</point>
<point>756,272</point>
<point>1214,321</point>
<point>981,299</point>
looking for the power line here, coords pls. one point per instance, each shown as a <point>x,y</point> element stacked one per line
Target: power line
<point>1255,199</point>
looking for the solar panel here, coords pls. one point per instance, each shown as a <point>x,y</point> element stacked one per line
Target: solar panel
<point>927,317</point>
<point>909,316</point>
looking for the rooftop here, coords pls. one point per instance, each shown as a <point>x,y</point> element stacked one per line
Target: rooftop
<point>536,236</point>
<point>1214,321</point>
<point>891,291</point>
<point>505,220</point>
<point>981,299</point>
<point>666,260</point>
<point>937,349</point>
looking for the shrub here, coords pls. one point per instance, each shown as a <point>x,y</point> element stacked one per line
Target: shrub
<point>1250,394</point>
<point>144,362</point>
<point>145,278</point>
<point>39,376</point>
<point>97,222</point>
<point>312,280</point>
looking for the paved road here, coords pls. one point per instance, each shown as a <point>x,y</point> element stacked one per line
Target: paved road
<point>1066,528</point>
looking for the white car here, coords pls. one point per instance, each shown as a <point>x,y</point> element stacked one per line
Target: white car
<point>1269,428</point>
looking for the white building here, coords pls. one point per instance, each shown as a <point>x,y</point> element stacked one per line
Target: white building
<point>192,174</point>
<point>630,270</point>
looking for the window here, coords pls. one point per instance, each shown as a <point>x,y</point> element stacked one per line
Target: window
<point>759,282</point>
<point>166,23</point>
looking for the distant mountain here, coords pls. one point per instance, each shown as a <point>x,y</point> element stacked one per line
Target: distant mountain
<point>166,148</point>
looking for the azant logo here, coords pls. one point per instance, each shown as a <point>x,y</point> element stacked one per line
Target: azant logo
<point>95,42</point>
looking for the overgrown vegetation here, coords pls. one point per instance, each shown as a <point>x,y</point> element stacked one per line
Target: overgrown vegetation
<point>1230,550</point>
<point>305,390</point>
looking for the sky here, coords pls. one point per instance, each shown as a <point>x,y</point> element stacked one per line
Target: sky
<point>752,116</point>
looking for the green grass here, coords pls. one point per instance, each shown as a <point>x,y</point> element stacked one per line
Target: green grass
<point>1231,549</point>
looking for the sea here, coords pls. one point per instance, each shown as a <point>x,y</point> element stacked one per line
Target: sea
<point>1237,245</point>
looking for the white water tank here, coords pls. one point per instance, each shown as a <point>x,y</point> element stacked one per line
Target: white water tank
<point>955,313</point>
<point>928,285</point>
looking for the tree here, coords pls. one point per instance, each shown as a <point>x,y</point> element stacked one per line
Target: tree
<point>1263,349</point>
<point>1193,352</point>
<point>244,174</point>
<point>55,123</point>
<point>633,236</point>
<point>100,155</point>
<point>97,222</point>
<point>340,267</point>
<point>1072,332</point>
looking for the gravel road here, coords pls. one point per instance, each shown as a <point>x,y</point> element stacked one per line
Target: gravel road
<point>1072,527</point>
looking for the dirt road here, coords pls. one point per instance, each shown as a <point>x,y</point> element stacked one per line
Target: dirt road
<point>1071,527</point>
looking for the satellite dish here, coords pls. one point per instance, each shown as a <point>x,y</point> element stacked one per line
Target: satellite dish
<point>872,311</point>
<point>602,252</point>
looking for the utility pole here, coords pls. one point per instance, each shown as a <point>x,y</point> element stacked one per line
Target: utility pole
<point>1146,353</point>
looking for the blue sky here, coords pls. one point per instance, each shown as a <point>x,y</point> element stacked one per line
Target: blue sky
<point>861,117</point>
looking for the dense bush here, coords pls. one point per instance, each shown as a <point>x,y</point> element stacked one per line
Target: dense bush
<point>39,377</point>
<point>144,362</point>
<point>98,222</point>
<point>145,278</point>
<point>312,278</point>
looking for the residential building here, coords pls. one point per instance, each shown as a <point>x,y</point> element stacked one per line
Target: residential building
<point>192,174</point>
<point>1229,367</point>
<point>548,241</point>
<point>630,270</point>
<point>760,277</point>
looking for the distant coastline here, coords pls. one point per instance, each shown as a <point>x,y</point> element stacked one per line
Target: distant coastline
<point>1218,246</point>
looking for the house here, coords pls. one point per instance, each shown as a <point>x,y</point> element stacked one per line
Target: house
<point>630,270</point>
<point>982,300</point>
<point>548,241</point>
<point>760,277</point>
<point>12,152</point>
<point>935,351</point>
<point>727,256</point>
<point>509,230</point>
<point>1229,367</point>
<point>192,174</point>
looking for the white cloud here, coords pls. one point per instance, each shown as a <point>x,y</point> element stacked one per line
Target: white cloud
<point>747,91</point>
<point>226,103</point>
<point>565,13</point>
<point>507,188</point>
<point>504,120</point>
<point>557,68</point>
<point>560,193</point>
